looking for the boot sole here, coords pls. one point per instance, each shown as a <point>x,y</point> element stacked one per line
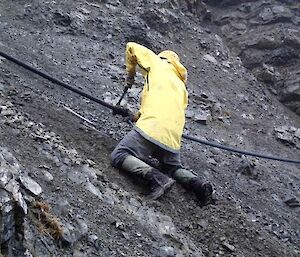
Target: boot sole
<point>162,191</point>
<point>168,185</point>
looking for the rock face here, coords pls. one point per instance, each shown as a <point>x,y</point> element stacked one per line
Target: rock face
<point>12,205</point>
<point>266,35</point>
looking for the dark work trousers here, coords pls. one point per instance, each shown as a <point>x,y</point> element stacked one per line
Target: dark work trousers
<point>134,144</point>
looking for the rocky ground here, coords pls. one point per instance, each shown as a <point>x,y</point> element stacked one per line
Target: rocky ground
<point>59,194</point>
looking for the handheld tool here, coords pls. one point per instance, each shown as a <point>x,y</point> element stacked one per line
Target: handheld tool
<point>122,96</point>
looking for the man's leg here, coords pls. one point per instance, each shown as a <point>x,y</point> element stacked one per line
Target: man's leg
<point>129,155</point>
<point>202,189</point>
<point>132,144</point>
<point>187,178</point>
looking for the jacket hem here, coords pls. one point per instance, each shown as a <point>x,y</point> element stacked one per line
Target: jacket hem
<point>152,140</point>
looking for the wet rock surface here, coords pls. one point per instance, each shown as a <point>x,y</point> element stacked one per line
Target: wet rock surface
<point>266,35</point>
<point>71,202</point>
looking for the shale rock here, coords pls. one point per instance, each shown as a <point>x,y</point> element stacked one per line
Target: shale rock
<point>266,35</point>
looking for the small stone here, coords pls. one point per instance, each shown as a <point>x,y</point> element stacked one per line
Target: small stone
<point>92,238</point>
<point>292,202</point>
<point>212,161</point>
<point>228,246</point>
<point>247,168</point>
<point>72,233</point>
<point>189,114</point>
<point>203,224</point>
<point>223,238</point>
<point>7,112</point>
<point>94,190</point>
<point>203,118</point>
<point>297,133</point>
<point>126,235</point>
<point>119,225</point>
<point>167,251</point>
<point>84,11</point>
<point>47,175</point>
<point>114,186</point>
<point>83,67</point>
<point>210,58</point>
<point>63,207</point>
<point>31,185</point>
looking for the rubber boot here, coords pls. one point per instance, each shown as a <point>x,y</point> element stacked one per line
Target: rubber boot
<point>158,182</point>
<point>190,180</point>
<point>202,190</point>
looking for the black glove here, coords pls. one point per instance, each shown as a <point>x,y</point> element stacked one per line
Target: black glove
<point>132,117</point>
<point>121,111</point>
<point>129,81</point>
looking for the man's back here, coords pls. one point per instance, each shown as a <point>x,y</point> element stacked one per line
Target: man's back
<point>164,98</point>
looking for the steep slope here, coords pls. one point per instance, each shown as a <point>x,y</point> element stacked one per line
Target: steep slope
<point>102,212</point>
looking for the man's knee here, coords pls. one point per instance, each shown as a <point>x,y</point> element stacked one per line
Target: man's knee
<point>170,169</point>
<point>184,176</point>
<point>117,157</point>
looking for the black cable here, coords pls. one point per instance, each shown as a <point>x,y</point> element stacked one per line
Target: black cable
<point>239,151</point>
<point>116,109</point>
<point>125,112</point>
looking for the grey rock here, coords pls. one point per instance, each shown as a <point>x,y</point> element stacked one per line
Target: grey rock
<point>297,133</point>
<point>292,202</point>
<point>93,238</point>
<point>288,135</point>
<point>212,161</point>
<point>203,118</point>
<point>268,33</point>
<point>275,13</point>
<point>62,19</point>
<point>94,190</point>
<point>228,247</point>
<point>160,19</point>
<point>47,175</point>
<point>77,176</point>
<point>119,225</point>
<point>189,114</point>
<point>247,168</point>
<point>7,112</point>
<point>74,232</point>
<point>13,208</point>
<point>210,58</point>
<point>31,185</point>
<point>268,74</point>
<point>167,251</point>
<point>63,207</point>
<point>90,172</point>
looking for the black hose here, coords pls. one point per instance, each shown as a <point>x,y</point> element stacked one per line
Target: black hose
<point>116,109</point>
<point>125,112</point>
<point>239,151</point>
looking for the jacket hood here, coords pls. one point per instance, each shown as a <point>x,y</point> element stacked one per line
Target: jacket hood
<point>173,58</point>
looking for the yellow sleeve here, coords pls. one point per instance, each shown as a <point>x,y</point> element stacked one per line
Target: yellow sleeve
<point>186,99</point>
<point>138,54</point>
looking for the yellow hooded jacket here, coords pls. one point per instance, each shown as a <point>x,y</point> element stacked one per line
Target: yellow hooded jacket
<point>164,97</point>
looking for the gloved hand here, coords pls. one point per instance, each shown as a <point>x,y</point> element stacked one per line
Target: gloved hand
<point>121,111</point>
<point>129,80</point>
<point>132,117</point>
